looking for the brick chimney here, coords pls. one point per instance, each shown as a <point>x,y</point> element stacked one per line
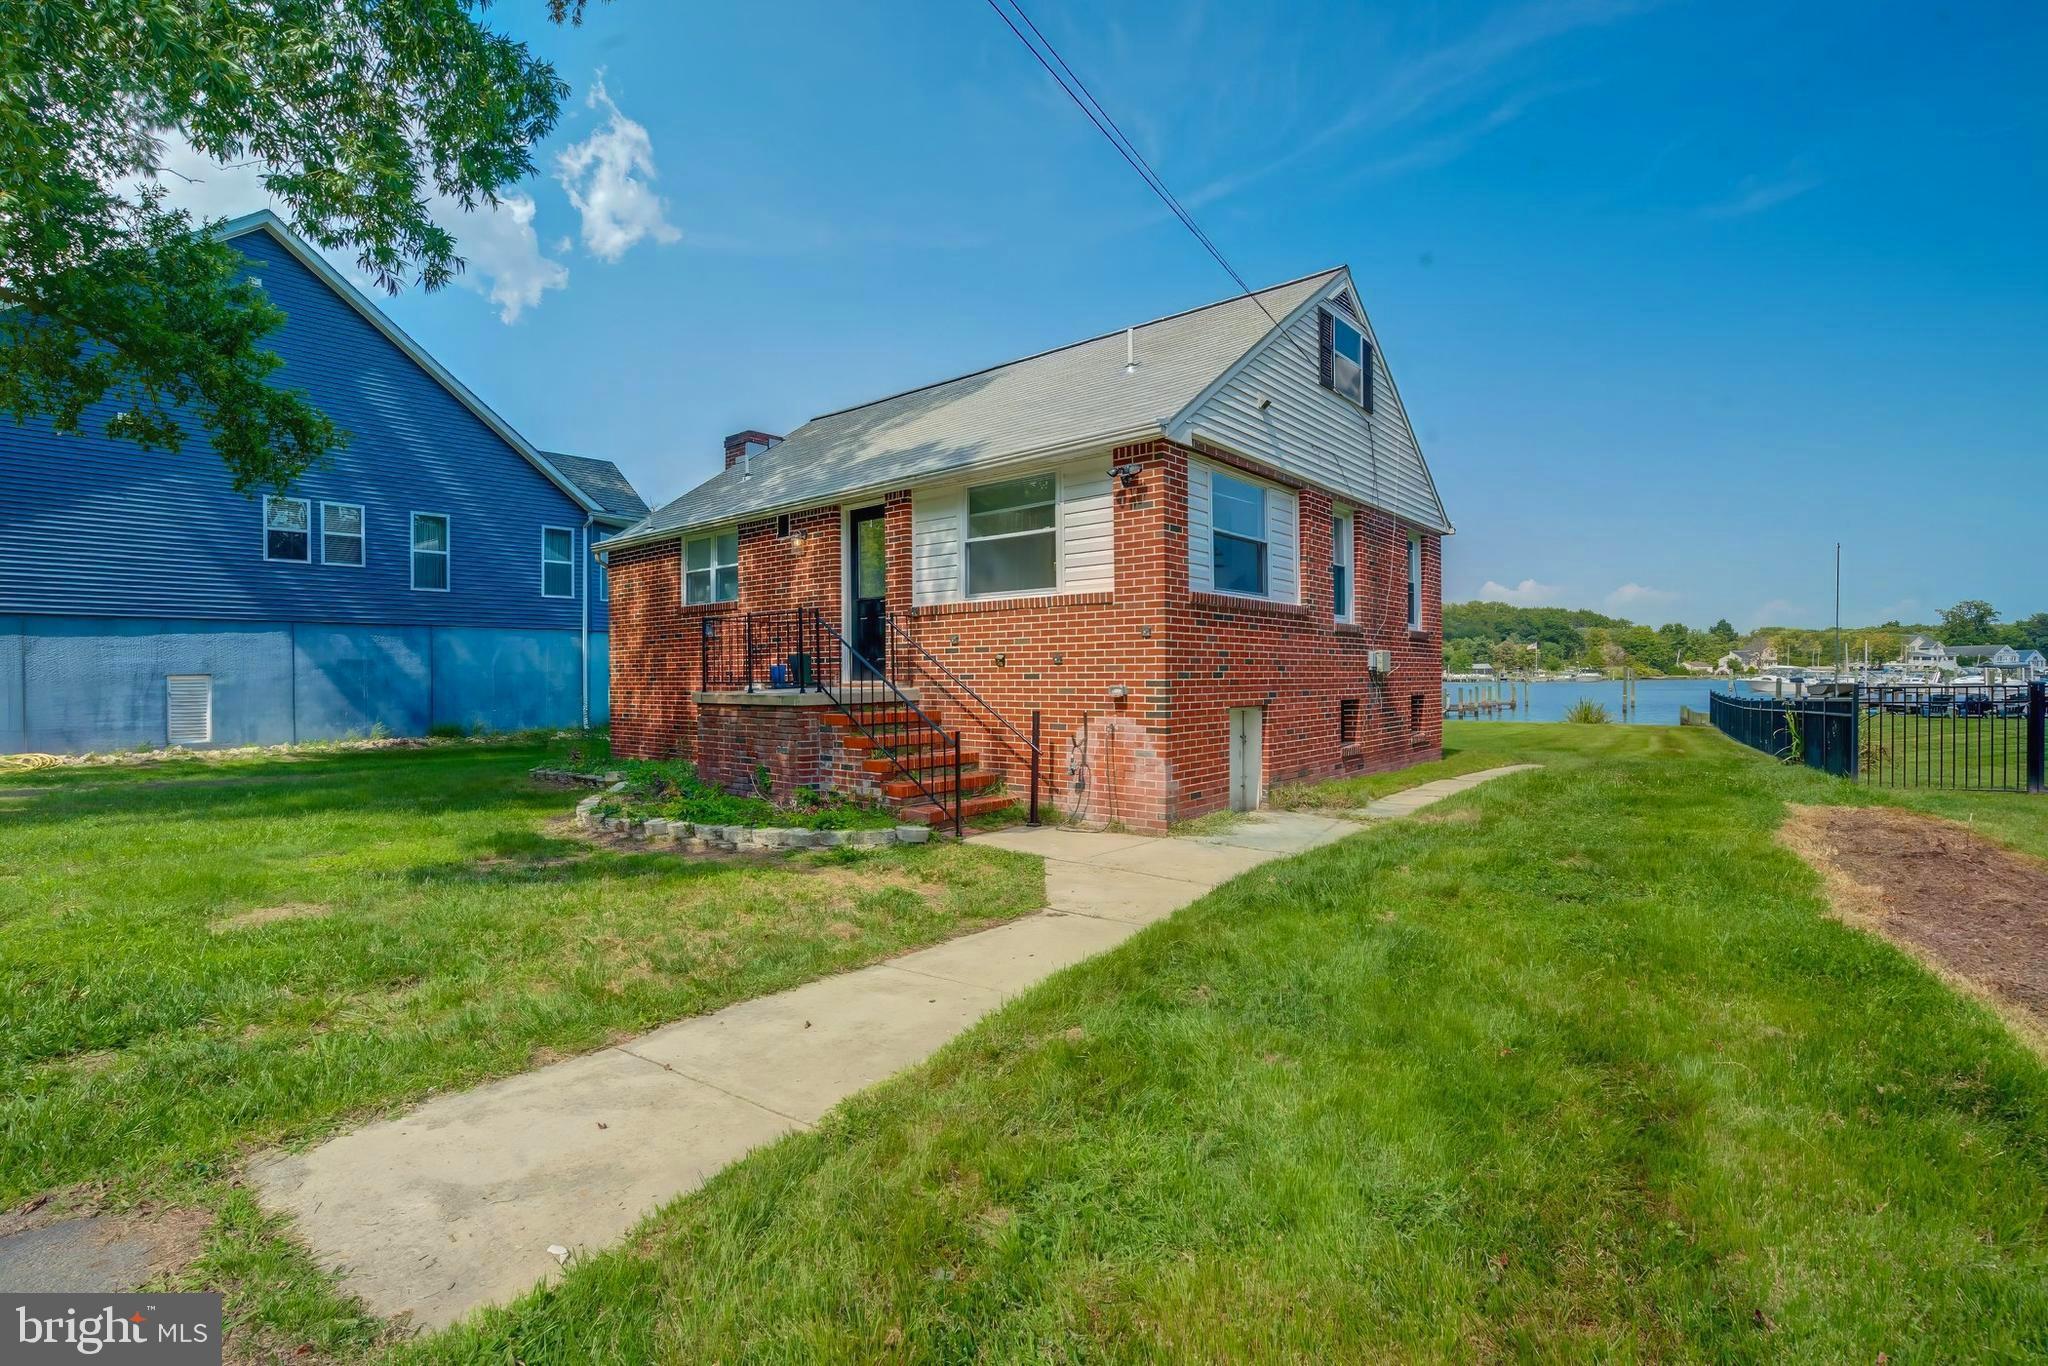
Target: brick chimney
<point>736,445</point>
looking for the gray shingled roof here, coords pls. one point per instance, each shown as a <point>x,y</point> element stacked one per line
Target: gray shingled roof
<point>1057,399</point>
<point>602,483</point>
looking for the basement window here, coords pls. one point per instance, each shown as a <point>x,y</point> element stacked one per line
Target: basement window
<point>1347,721</point>
<point>711,568</point>
<point>1012,542</point>
<point>1415,713</point>
<point>287,529</point>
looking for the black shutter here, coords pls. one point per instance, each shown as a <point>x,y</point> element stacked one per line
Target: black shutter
<point>1365,384</point>
<point>1325,346</point>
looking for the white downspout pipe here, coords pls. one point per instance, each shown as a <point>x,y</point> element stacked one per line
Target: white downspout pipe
<point>589,553</point>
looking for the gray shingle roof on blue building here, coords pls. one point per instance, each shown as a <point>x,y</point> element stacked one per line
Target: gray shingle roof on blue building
<point>602,483</point>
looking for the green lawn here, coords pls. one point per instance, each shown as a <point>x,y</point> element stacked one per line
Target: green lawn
<point>1575,1066</point>
<point>201,958</point>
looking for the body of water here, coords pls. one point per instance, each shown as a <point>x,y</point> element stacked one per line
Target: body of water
<point>1657,699</point>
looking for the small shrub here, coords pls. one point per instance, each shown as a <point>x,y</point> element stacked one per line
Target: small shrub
<point>1587,712</point>
<point>448,730</point>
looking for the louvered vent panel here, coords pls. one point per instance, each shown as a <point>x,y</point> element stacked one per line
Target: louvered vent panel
<point>191,709</point>
<point>1344,301</point>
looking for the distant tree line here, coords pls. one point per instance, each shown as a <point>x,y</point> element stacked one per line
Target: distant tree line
<point>1565,638</point>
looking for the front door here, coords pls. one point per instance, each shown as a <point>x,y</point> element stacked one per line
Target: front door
<point>867,560</point>
<point>1247,757</point>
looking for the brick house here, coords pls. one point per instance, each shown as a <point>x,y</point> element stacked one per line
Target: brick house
<point>1203,553</point>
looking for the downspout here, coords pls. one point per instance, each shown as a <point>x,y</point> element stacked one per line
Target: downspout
<point>589,551</point>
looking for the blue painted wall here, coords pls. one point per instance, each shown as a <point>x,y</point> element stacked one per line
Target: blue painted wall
<point>119,566</point>
<point>69,684</point>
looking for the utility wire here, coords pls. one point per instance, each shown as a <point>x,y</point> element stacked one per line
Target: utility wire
<point>1084,100</point>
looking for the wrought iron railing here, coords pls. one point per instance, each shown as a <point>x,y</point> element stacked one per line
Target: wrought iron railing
<point>762,651</point>
<point>908,655</point>
<point>897,729</point>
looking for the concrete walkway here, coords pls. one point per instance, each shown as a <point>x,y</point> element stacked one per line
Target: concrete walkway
<point>457,1204</point>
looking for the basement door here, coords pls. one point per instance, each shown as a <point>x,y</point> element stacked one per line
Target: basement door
<point>1247,757</point>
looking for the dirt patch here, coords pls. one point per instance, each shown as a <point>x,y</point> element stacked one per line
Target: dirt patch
<point>1971,908</point>
<point>267,915</point>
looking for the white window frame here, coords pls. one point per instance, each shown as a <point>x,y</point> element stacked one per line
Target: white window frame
<point>713,567</point>
<point>1337,321</point>
<point>361,535</point>
<point>1343,555</point>
<point>1057,531</point>
<point>413,552</point>
<point>1265,537</point>
<point>570,561</point>
<point>1415,581</point>
<point>601,569</point>
<point>270,498</point>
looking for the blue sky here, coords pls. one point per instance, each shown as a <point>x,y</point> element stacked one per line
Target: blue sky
<point>1677,294</point>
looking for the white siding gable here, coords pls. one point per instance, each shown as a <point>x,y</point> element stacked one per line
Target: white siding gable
<point>1086,529</point>
<point>1283,536</point>
<point>1306,430</point>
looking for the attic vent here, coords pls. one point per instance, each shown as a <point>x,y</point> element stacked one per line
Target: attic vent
<point>190,709</point>
<point>1343,300</point>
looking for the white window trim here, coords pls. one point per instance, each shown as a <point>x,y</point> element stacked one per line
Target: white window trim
<point>683,557</point>
<point>362,536</point>
<point>603,567</point>
<point>1349,541</point>
<point>413,552</point>
<point>1059,539</point>
<point>1415,581</point>
<point>1339,319</point>
<point>570,532</point>
<point>305,503</point>
<point>1265,524</point>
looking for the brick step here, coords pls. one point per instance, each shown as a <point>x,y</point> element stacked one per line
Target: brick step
<point>937,757</point>
<point>903,738</point>
<point>871,717</point>
<point>903,789</point>
<point>969,807</point>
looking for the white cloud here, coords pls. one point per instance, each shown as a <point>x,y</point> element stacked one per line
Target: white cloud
<point>607,177</point>
<point>196,183</point>
<point>504,262</point>
<point>1639,595</point>
<point>1527,593</point>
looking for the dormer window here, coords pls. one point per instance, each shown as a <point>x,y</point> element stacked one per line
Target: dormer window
<point>1347,360</point>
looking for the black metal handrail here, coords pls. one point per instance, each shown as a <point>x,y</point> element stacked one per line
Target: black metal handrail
<point>761,650</point>
<point>925,753</point>
<point>959,684</point>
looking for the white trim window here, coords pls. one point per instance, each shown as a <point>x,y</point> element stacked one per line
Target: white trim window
<point>598,568</point>
<point>711,568</point>
<point>287,529</point>
<point>1347,359</point>
<point>341,534</point>
<point>557,562</point>
<point>1415,581</point>
<point>1239,536</point>
<point>432,544</point>
<point>1013,537</point>
<point>1342,606</point>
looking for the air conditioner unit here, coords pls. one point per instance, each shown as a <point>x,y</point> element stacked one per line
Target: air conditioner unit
<point>1379,661</point>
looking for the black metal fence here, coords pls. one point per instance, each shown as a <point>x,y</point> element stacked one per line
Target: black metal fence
<point>1970,737</point>
<point>758,651</point>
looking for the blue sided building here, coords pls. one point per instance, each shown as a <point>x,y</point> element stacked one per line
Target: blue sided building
<point>436,571</point>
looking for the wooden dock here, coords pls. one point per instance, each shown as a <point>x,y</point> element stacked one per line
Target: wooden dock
<point>1483,699</point>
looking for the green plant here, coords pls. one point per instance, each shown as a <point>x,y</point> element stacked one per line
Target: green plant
<point>764,783</point>
<point>1587,712</point>
<point>1795,738</point>
<point>448,730</point>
